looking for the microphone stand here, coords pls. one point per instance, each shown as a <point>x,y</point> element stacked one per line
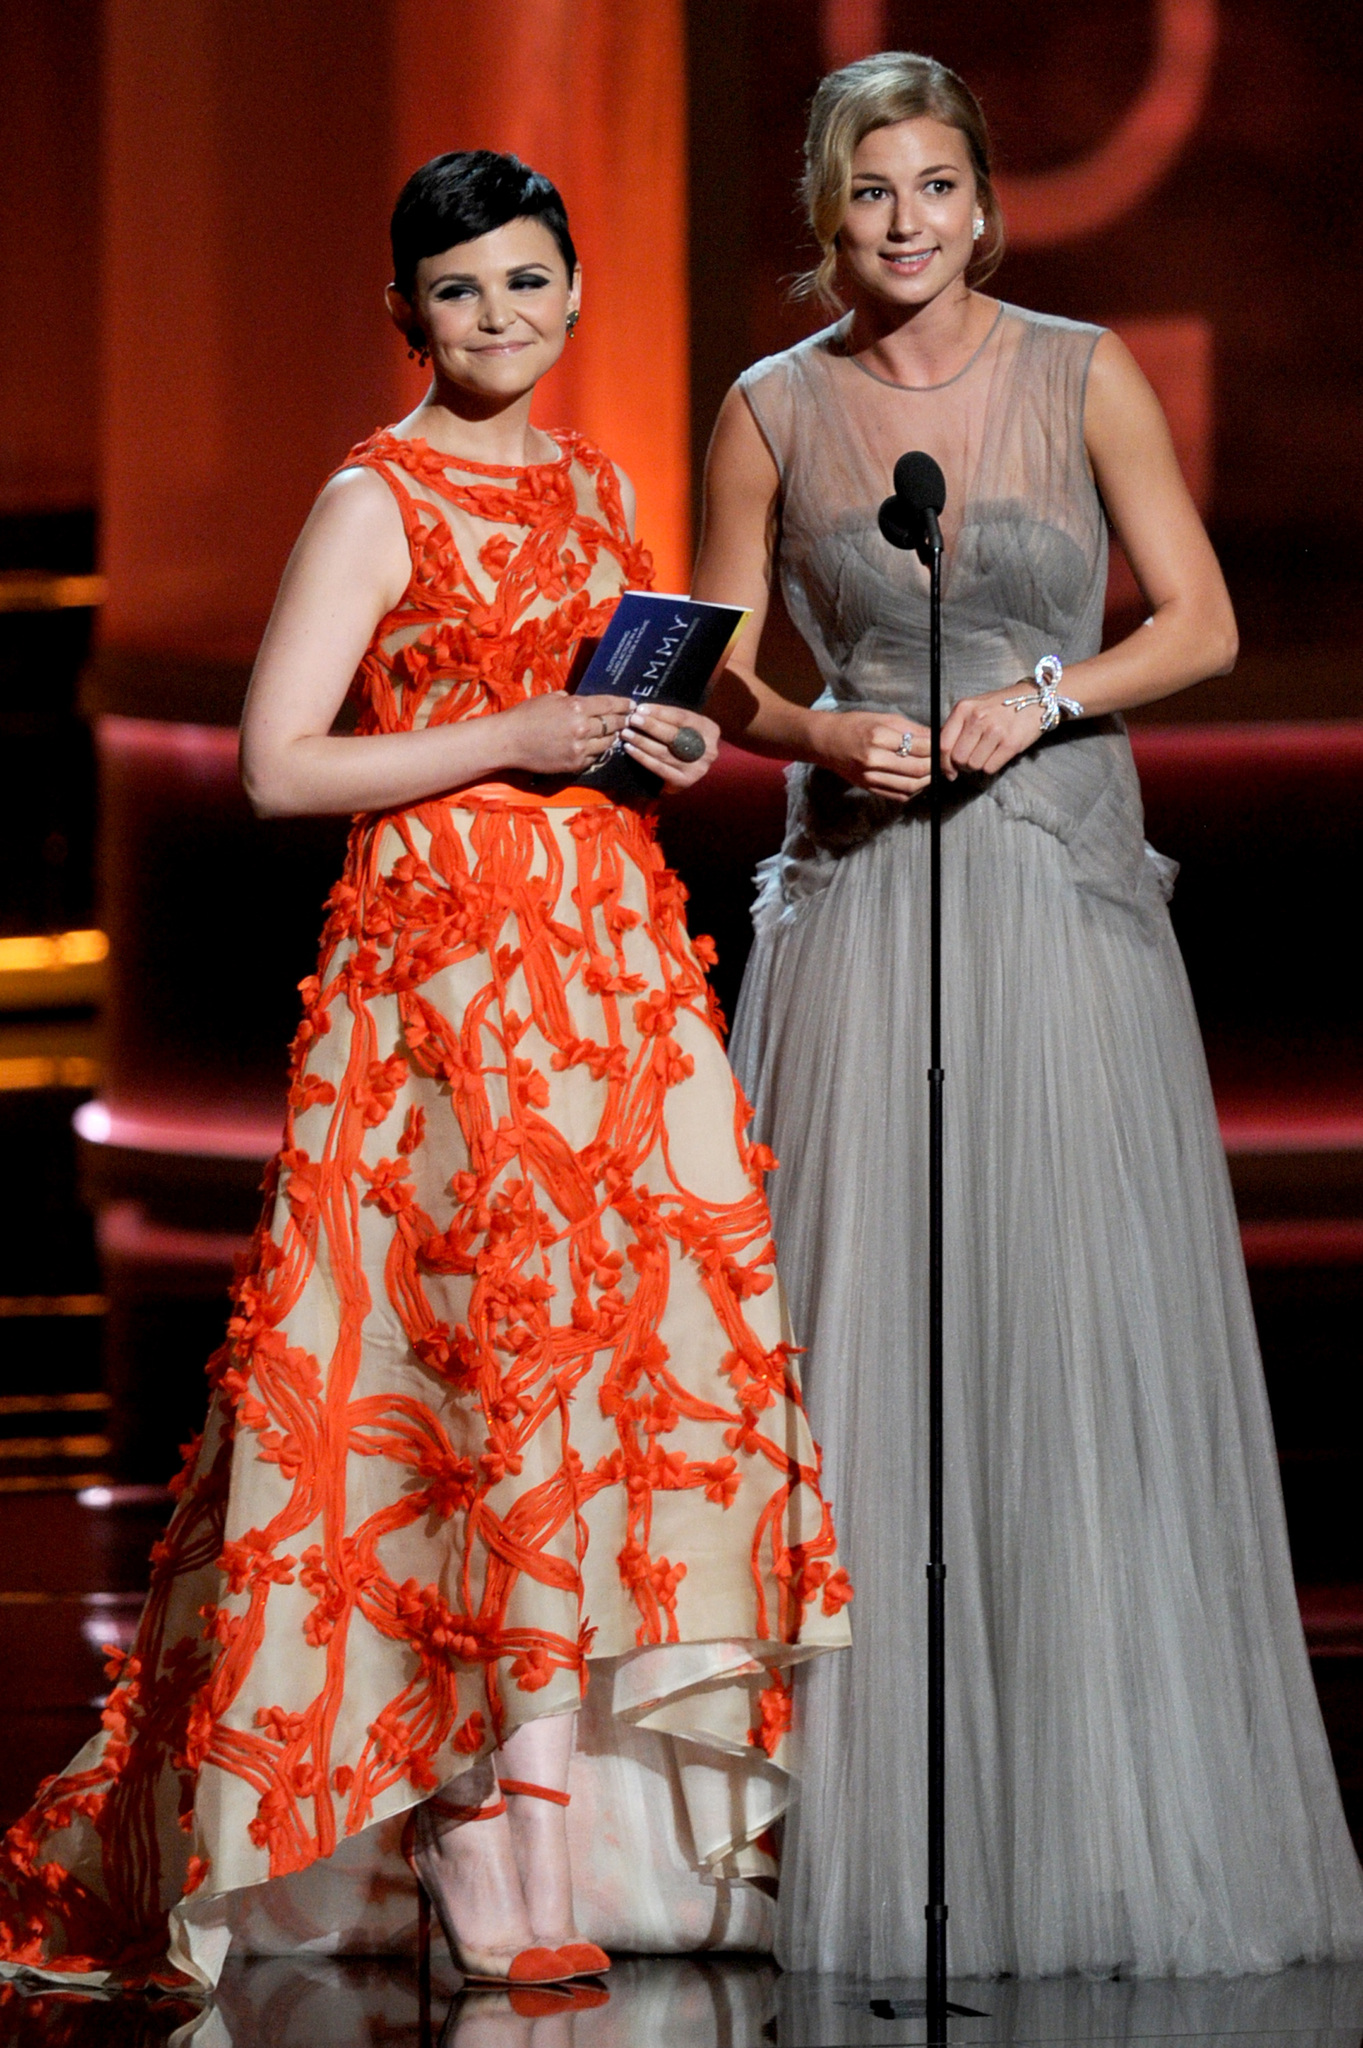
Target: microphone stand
<point>930,553</point>
<point>907,521</point>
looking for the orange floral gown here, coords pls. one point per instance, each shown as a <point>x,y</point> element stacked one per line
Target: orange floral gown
<point>507,1398</point>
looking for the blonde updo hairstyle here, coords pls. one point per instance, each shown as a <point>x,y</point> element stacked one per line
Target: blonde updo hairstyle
<point>875,92</point>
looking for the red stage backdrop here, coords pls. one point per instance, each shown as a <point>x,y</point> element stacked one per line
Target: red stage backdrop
<point>252,154</point>
<point>592,93</point>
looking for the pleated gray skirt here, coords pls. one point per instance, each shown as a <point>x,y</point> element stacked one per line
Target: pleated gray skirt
<point>1138,1779</point>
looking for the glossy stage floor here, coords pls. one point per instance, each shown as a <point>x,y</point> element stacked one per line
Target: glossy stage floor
<point>316,2002</point>
<point>72,1574</point>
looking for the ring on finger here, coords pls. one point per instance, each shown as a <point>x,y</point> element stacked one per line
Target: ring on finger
<point>686,744</point>
<point>905,745</point>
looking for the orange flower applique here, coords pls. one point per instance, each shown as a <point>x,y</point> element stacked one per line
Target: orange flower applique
<point>775,1703</point>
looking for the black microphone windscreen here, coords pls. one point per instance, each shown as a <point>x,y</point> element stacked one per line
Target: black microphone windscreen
<point>901,524</point>
<point>918,480</point>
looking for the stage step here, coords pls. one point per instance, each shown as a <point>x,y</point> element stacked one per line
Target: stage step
<point>54,1407</point>
<point>48,601</point>
<point>1332,1616</point>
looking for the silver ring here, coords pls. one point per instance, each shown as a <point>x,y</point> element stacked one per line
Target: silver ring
<point>905,745</point>
<point>686,744</point>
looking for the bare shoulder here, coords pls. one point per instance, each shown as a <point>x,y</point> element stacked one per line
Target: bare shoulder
<point>740,518</point>
<point>739,458</point>
<point>1119,403</point>
<point>357,501</point>
<point>354,531</point>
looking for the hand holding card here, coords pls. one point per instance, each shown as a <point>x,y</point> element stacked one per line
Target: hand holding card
<point>657,649</point>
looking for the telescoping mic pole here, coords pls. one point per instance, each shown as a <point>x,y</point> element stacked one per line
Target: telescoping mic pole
<point>910,520</point>
<point>937,1572</point>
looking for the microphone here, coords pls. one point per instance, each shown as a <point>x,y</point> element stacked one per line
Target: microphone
<point>909,518</point>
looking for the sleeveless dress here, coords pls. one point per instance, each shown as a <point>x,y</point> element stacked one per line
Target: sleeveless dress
<point>507,1399</point>
<point>1138,1776</point>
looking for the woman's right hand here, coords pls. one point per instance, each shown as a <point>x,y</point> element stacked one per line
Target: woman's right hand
<point>864,748</point>
<point>561,735</point>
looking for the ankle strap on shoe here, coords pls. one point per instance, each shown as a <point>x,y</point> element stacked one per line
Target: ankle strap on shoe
<point>447,1810</point>
<point>519,1785</point>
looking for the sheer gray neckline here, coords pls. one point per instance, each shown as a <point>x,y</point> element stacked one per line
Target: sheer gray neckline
<point>964,371</point>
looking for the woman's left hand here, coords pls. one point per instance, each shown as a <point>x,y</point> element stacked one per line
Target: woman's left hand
<point>984,734</point>
<point>646,735</point>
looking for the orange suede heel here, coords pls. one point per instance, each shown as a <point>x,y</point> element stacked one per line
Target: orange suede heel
<point>529,1966</point>
<point>583,1958</point>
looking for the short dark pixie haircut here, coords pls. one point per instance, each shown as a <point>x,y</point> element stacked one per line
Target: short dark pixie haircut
<point>466,193</point>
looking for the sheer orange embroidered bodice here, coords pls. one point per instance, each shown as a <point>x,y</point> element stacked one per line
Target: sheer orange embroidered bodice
<point>508,1389</point>
<point>510,568</point>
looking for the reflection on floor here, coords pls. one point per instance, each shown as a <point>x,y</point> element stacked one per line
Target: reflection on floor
<point>1322,2006</point>
<point>734,2002</point>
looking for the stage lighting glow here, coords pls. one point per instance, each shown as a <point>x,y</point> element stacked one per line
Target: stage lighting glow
<point>93,1122</point>
<point>42,951</point>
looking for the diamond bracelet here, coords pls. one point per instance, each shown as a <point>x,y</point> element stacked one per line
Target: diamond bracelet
<point>1047,674</point>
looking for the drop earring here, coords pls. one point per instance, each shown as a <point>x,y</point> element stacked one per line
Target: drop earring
<point>977,230</point>
<point>571,323</point>
<point>418,352</point>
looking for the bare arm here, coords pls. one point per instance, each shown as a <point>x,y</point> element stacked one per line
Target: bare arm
<point>349,568</point>
<point>1190,633</point>
<point>734,566</point>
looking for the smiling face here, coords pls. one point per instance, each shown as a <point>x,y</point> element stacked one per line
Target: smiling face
<point>908,233</point>
<point>492,311</point>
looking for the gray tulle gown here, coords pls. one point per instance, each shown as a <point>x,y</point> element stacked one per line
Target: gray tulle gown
<point>1139,1780</point>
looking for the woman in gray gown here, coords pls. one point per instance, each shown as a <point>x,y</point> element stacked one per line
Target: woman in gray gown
<point>1139,1780</point>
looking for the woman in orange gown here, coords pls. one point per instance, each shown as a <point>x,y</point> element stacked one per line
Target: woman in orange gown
<point>507,1400</point>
